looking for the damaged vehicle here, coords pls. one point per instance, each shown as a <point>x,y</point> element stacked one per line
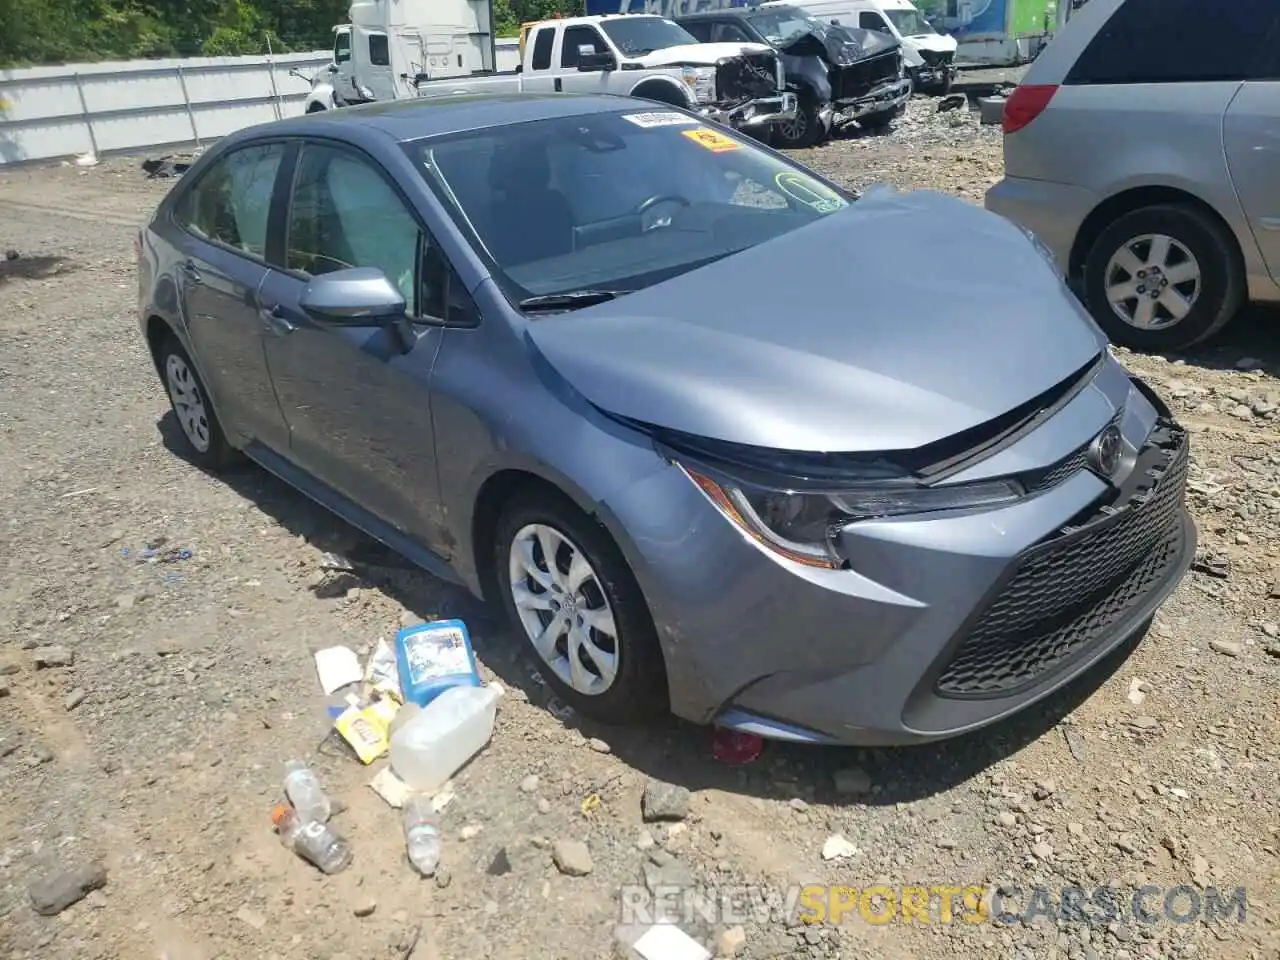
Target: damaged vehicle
<point>533,344</point>
<point>838,74</point>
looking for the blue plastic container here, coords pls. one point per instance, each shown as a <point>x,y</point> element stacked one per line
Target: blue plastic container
<point>432,657</point>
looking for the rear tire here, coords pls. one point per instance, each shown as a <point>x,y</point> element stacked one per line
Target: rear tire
<point>1201,268</point>
<point>205,443</point>
<point>589,592</point>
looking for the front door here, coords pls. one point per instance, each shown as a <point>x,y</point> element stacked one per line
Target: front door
<point>358,405</point>
<point>1251,136</point>
<point>571,79</point>
<point>220,225</point>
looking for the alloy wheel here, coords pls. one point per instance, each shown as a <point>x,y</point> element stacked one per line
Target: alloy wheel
<point>188,402</point>
<point>1152,282</point>
<point>794,130</point>
<point>563,608</point>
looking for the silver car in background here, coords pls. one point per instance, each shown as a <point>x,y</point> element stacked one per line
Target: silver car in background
<point>1143,148</point>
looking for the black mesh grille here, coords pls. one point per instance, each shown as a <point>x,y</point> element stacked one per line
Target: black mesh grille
<point>1068,591</point>
<point>751,76</point>
<point>859,79</point>
<point>1066,469</point>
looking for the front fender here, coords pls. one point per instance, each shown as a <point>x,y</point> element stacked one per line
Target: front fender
<point>670,83</point>
<point>809,74</point>
<point>321,96</point>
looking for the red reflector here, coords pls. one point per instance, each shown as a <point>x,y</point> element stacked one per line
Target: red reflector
<point>1025,104</point>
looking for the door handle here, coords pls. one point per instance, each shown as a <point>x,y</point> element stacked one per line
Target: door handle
<point>191,271</point>
<point>274,320</point>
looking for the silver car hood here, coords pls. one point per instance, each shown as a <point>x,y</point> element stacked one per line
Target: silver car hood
<point>899,321</point>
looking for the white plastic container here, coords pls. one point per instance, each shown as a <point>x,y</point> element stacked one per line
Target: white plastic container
<point>443,736</point>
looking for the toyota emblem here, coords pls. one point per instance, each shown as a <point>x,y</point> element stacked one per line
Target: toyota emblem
<point>1105,451</point>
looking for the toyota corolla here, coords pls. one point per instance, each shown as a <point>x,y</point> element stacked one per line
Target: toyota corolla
<point>684,408</point>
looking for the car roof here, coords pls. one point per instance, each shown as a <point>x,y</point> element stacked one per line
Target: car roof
<point>416,119</point>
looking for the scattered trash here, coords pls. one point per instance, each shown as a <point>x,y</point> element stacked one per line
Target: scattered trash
<point>381,672</point>
<point>590,804</point>
<point>432,657</point>
<point>337,562</point>
<point>422,834</point>
<point>952,101</point>
<point>666,941</point>
<point>153,554</point>
<point>1138,691</point>
<point>367,729</point>
<point>159,168</point>
<point>449,731</point>
<point>390,788</point>
<point>317,843</point>
<point>838,848</point>
<point>78,493</point>
<point>338,667</point>
<point>735,747</point>
<point>86,160</point>
<point>303,789</point>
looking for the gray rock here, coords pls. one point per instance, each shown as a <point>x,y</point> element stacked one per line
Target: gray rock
<point>598,745</point>
<point>54,893</point>
<point>664,801</point>
<point>572,858</point>
<point>53,657</point>
<point>74,698</point>
<point>852,782</point>
<point>670,873</point>
<point>1007,820</point>
<point>1228,648</point>
<point>364,906</point>
<point>529,784</point>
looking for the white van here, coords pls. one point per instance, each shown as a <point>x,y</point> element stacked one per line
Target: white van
<point>929,56</point>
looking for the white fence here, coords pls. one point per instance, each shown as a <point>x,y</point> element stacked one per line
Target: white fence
<point>51,112</point>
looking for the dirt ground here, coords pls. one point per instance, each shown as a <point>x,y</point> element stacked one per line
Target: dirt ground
<point>157,752</point>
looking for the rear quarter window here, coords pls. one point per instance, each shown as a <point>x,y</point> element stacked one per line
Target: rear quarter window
<point>1180,41</point>
<point>543,38</point>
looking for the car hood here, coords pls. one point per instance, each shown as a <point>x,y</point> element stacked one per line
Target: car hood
<point>702,54</point>
<point>840,46</point>
<point>898,321</point>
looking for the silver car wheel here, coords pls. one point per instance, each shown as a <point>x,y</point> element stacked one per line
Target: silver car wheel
<point>1153,282</point>
<point>188,403</point>
<point>564,609</point>
<point>793,130</point>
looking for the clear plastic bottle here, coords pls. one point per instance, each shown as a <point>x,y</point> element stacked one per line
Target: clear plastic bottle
<point>313,841</point>
<point>303,789</point>
<point>422,834</point>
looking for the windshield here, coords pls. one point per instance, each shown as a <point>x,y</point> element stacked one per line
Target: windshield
<point>784,25</point>
<point>636,36</point>
<point>910,22</point>
<point>614,201</point>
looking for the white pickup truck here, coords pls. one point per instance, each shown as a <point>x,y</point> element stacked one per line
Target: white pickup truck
<point>741,85</point>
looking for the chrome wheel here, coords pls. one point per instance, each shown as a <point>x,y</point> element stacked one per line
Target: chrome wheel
<point>794,130</point>
<point>564,609</point>
<point>188,402</point>
<point>1152,282</point>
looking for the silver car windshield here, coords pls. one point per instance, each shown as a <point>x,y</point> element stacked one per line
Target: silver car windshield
<point>618,200</point>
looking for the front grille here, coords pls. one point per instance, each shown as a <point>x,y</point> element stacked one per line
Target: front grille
<point>859,79</point>
<point>936,58</point>
<point>751,76</point>
<point>1069,591</point>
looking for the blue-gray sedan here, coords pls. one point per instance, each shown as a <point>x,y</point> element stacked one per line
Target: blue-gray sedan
<point>722,437</point>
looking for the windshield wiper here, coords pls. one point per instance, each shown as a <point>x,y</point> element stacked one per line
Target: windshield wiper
<point>573,300</point>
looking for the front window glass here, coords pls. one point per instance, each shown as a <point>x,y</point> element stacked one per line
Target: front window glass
<point>616,201</point>
<point>783,26</point>
<point>636,36</point>
<point>910,22</point>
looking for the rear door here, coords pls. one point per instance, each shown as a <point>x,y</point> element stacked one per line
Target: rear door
<point>1251,136</point>
<point>219,223</point>
<point>538,74</point>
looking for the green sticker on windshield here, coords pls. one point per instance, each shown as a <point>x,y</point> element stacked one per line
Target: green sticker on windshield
<point>804,190</point>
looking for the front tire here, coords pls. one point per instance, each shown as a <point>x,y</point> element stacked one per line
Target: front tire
<point>205,442</point>
<point>1163,278</point>
<point>570,594</point>
<point>881,120</point>
<point>801,132</point>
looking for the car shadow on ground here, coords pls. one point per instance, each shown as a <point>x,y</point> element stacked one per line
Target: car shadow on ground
<point>669,749</point>
<point>1253,335</point>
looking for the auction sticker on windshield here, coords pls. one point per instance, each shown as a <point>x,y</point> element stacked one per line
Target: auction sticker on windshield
<point>663,119</point>
<point>715,142</point>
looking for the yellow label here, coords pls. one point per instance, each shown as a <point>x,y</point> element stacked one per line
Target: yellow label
<point>715,142</point>
<point>368,730</point>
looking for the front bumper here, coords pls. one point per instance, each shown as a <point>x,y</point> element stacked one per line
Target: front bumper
<point>941,624</point>
<point>887,96</point>
<point>754,113</point>
<point>938,75</point>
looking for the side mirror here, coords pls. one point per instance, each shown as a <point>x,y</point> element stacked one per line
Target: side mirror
<point>359,296</point>
<point>333,68</point>
<point>589,60</point>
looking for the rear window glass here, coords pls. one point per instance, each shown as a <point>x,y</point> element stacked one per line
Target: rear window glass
<point>1179,41</point>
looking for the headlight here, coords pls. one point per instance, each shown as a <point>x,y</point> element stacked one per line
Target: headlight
<point>702,81</point>
<point>801,524</point>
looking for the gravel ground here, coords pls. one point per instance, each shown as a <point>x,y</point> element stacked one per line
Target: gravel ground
<point>156,750</point>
